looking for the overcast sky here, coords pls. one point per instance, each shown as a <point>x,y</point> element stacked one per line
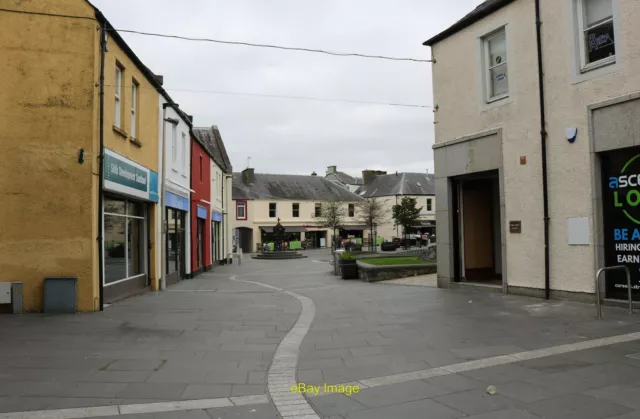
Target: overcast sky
<point>295,136</point>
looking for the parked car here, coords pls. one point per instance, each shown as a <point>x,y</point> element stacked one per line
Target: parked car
<point>388,247</point>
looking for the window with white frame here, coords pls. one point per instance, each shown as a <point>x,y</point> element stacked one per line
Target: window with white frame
<point>597,38</point>
<point>496,68</point>
<point>272,210</point>
<point>118,95</point>
<point>185,155</point>
<point>429,205</point>
<point>241,210</point>
<point>134,104</point>
<point>174,145</point>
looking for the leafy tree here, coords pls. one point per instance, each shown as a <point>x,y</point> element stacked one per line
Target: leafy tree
<point>332,214</point>
<point>371,212</point>
<point>406,214</point>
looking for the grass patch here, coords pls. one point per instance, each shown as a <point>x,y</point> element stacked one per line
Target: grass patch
<point>409,260</point>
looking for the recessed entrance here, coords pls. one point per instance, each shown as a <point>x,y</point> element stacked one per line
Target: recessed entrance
<point>477,232</point>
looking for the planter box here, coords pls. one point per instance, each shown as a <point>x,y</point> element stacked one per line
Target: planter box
<point>373,273</point>
<point>349,269</point>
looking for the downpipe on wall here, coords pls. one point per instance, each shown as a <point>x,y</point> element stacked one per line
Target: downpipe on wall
<point>103,48</point>
<point>543,145</point>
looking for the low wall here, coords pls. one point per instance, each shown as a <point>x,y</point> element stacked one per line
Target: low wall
<point>374,273</point>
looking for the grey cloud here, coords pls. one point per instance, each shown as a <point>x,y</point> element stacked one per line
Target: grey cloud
<point>295,136</point>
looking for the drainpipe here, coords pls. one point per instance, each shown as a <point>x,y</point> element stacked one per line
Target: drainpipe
<point>103,47</point>
<point>543,144</point>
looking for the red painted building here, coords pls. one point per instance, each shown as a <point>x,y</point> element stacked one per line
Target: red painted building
<point>200,207</point>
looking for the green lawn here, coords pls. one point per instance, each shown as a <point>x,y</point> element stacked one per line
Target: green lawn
<point>410,260</point>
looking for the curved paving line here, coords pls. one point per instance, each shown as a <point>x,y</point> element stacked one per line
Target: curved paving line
<point>281,376</point>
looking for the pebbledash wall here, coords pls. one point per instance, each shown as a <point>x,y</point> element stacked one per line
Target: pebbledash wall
<point>473,136</point>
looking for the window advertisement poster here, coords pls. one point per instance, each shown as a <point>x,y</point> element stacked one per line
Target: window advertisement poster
<point>621,212</point>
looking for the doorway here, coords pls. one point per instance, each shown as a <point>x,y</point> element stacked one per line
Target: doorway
<point>175,245</point>
<point>477,229</point>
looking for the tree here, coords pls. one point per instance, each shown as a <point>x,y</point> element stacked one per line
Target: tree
<point>331,215</point>
<point>371,212</point>
<point>406,214</point>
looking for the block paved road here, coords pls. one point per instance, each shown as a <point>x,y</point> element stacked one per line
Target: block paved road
<point>424,352</point>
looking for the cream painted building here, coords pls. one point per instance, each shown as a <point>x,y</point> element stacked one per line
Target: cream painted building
<point>491,159</point>
<point>390,189</point>
<point>263,199</point>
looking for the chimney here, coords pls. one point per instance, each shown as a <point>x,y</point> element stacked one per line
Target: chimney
<point>332,169</point>
<point>369,175</point>
<point>314,174</point>
<point>248,176</point>
<point>159,79</point>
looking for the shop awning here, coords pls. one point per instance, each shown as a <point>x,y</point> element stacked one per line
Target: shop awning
<point>287,229</point>
<point>355,228</point>
<point>430,223</point>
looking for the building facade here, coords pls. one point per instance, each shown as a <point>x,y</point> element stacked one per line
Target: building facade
<point>220,187</point>
<point>390,189</point>
<point>175,134</point>
<point>80,158</point>
<point>538,214</point>
<point>200,207</point>
<point>263,199</point>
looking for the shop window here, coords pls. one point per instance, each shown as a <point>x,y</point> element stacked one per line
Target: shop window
<point>352,210</point>
<point>241,210</point>
<point>272,210</point>
<point>318,212</point>
<point>596,33</point>
<point>296,210</point>
<point>124,240</point>
<point>495,65</point>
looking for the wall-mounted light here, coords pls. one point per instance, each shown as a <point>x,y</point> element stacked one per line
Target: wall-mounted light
<point>571,134</point>
<point>81,156</point>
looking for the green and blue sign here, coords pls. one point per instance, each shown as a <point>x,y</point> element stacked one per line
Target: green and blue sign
<point>621,210</point>
<point>128,177</point>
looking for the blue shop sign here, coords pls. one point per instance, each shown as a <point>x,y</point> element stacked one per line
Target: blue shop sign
<point>216,216</point>
<point>176,201</point>
<point>202,212</point>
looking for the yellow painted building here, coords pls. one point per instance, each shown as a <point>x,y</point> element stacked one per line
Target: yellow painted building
<point>50,129</point>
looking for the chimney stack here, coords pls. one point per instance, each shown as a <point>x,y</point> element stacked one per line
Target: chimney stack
<point>332,169</point>
<point>369,175</point>
<point>248,176</point>
<point>314,173</point>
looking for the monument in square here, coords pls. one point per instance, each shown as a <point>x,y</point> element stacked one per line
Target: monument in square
<point>279,251</point>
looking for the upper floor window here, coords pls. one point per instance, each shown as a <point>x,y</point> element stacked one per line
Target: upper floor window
<point>185,155</point>
<point>352,210</point>
<point>296,210</point>
<point>429,205</point>
<point>318,210</point>
<point>134,109</point>
<point>272,209</point>
<point>597,40</point>
<point>174,145</point>
<point>118,98</point>
<point>495,65</point>
<point>241,210</point>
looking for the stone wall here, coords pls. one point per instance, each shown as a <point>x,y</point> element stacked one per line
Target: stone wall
<point>372,273</point>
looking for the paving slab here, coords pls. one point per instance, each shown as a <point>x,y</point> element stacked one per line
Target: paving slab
<point>576,406</point>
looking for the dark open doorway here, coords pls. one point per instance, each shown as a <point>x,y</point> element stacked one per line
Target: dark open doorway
<point>477,229</point>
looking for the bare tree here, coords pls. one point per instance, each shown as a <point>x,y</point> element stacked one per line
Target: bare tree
<point>331,215</point>
<point>372,213</point>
